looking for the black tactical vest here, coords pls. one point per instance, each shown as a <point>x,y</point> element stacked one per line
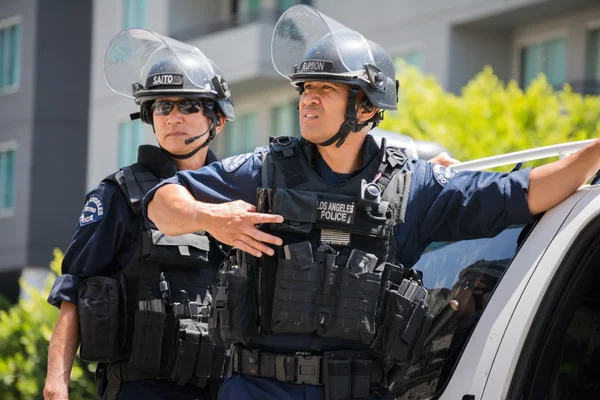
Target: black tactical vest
<point>188,262</point>
<point>145,307</point>
<point>337,267</point>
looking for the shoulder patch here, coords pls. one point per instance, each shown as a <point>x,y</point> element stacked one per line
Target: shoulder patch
<point>232,163</point>
<point>443,174</point>
<point>93,211</point>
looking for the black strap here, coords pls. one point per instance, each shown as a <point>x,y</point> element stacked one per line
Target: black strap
<point>391,168</point>
<point>267,172</point>
<point>350,122</point>
<point>189,355</point>
<point>286,152</point>
<point>301,368</point>
<point>203,369</point>
<point>281,367</point>
<point>133,190</point>
<point>101,383</point>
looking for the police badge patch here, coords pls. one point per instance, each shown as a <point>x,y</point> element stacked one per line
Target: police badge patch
<point>442,174</point>
<point>232,163</point>
<point>93,211</point>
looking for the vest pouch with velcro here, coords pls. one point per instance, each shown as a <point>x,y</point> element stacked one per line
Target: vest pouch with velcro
<point>187,250</point>
<point>102,318</point>
<point>196,358</point>
<point>298,208</point>
<point>154,340</point>
<point>347,374</point>
<point>234,311</point>
<point>402,326</point>
<point>298,281</point>
<point>348,300</point>
<point>186,351</point>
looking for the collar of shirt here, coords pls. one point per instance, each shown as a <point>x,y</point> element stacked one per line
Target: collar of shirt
<point>370,149</point>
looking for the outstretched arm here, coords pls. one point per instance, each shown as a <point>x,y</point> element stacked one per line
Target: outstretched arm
<point>174,211</point>
<point>552,183</point>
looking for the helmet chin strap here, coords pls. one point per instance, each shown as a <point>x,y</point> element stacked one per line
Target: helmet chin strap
<point>351,120</point>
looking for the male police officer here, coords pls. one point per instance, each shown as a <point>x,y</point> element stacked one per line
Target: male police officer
<point>118,266</point>
<point>316,316</point>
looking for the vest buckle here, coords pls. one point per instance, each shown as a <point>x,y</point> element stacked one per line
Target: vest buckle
<point>308,369</point>
<point>221,300</point>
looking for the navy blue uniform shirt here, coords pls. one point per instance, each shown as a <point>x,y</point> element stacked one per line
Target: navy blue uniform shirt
<point>103,241</point>
<point>443,205</point>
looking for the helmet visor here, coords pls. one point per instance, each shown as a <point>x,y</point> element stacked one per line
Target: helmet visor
<point>306,41</point>
<point>134,55</point>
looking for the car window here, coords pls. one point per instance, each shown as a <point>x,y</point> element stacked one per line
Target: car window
<point>580,354</point>
<point>465,271</point>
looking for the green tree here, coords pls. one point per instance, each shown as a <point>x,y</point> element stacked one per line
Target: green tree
<point>25,331</point>
<point>490,117</point>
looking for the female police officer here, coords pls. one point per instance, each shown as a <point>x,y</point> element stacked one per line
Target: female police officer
<point>117,266</point>
<point>317,317</point>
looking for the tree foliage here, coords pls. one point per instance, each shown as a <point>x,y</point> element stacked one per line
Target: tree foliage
<point>490,117</point>
<point>25,331</point>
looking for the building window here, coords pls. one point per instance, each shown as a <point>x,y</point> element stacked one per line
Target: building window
<point>549,58</point>
<point>135,13</point>
<point>285,4</point>
<point>10,57</point>
<point>286,120</point>
<point>130,138</point>
<point>593,55</point>
<point>241,135</point>
<point>414,59</point>
<point>8,152</point>
<point>249,10</point>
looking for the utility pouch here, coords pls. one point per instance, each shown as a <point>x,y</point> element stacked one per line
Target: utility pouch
<point>153,341</point>
<point>102,319</point>
<point>404,316</point>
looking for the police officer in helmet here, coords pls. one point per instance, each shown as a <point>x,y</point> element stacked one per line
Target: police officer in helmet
<point>132,296</point>
<point>318,301</point>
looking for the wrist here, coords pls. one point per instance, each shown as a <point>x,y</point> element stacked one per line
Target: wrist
<point>204,215</point>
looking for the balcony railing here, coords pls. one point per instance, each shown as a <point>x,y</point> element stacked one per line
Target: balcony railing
<point>234,20</point>
<point>586,86</point>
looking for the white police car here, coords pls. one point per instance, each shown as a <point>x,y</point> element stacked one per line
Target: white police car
<point>529,324</point>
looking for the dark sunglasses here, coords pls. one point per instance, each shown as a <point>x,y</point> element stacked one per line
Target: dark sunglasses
<point>164,107</point>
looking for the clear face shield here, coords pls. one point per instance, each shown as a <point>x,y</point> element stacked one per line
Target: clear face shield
<point>308,43</point>
<point>139,61</point>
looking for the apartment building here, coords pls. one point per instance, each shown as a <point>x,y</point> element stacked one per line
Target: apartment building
<point>44,92</point>
<point>452,40</point>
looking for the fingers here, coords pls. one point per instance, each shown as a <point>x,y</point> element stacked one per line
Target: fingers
<point>261,236</point>
<point>238,228</point>
<point>258,218</point>
<point>244,206</point>
<point>247,248</point>
<point>444,159</point>
<point>266,218</point>
<point>253,246</point>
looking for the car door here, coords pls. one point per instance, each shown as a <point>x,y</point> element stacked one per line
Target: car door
<point>527,360</point>
<point>487,276</point>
